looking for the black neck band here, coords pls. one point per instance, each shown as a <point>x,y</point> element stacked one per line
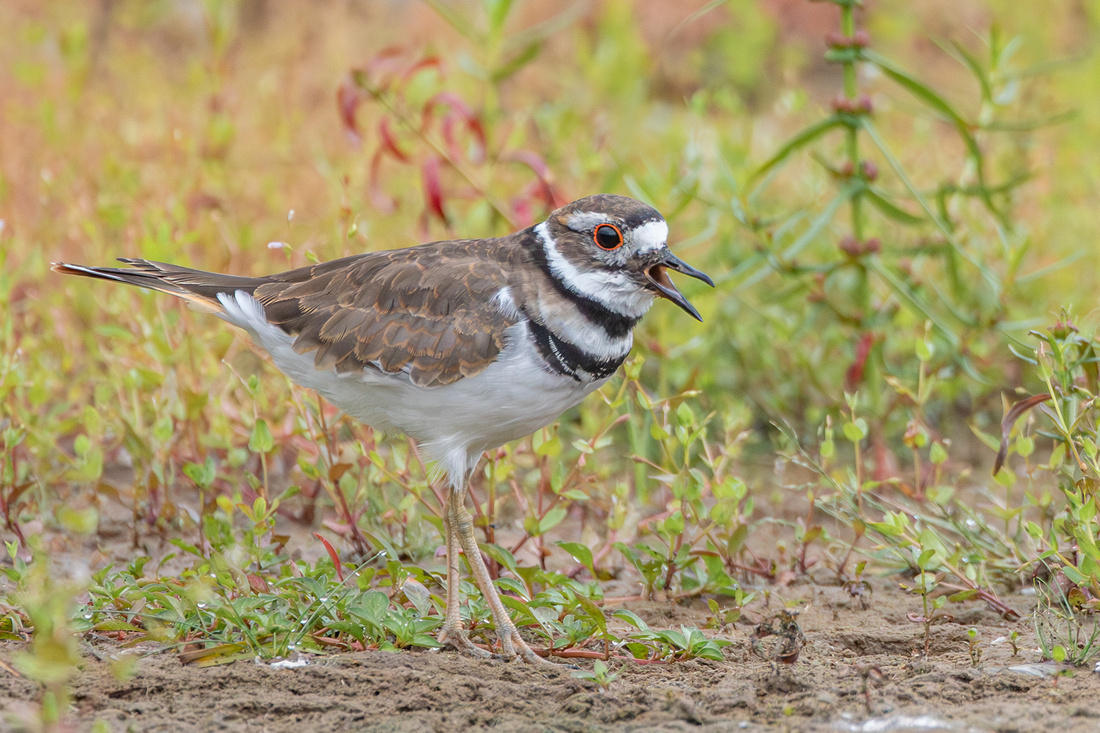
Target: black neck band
<point>616,325</point>
<point>565,358</point>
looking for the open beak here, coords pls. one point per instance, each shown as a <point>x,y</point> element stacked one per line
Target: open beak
<point>658,277</point>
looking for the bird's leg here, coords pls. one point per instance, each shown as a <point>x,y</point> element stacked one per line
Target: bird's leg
<point>511,643</point>
<point>452,633</point>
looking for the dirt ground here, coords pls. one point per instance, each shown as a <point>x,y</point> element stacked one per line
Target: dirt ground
<point>443,691</point>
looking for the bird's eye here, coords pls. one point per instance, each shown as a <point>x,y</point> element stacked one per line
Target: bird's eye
<point>608,236</point>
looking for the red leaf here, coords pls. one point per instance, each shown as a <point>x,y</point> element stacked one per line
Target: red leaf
<point>258,584</point>
<point>380,69</point>
<point>457,110</point>
<point>433,189</point>
<point>332,554</point>
<point>524,214</point>
<point>385,59</point>
<point>428,62</point>
<point>449,138</point>
<point>477,155</point>
<point>854,375</point>
<point>538,166</point>
<point>348,99</point>
<point>389,141</point>
<point>1014,413</point>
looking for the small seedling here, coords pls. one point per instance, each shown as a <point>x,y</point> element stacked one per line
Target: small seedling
<point>973,639</point>
<point>859,588</point>
<point>601,674</point>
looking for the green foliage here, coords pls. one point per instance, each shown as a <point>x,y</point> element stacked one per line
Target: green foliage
<point>600,674</point>
<point>53,655</point>
<point>1066,625</point>
<point>938,264</point>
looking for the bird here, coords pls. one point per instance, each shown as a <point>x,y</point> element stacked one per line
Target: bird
<point>463,345</point>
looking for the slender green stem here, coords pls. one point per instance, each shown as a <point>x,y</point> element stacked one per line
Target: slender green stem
<point>851,91</point>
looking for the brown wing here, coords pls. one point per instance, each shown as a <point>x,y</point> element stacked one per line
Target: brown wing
<point>424,310</point>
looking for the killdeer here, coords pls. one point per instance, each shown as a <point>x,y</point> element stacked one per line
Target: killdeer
<point>463,345</point>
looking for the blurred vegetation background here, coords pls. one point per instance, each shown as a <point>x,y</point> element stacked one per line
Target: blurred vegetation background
<point>889,196</point>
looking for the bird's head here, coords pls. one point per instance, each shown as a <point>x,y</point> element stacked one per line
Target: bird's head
<point>617,248</point>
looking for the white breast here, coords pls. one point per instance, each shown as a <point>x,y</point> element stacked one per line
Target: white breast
<point>454,423</point>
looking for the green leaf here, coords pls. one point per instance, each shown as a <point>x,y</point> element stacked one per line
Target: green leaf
<point>855,430</point>
<point>581,553</point>
<point>1074,575</point>
<point>631,618</point>
<point>725,510</point>
<point>78,521</point>
<point>373,605</point>
<point>674,525</point>
<point>593,612</point>
<point>511,585</point>
<point>552,519</point>
<point>500,555</point>
<point>521,608</point>
<point>203,475</point>
<point>261,440</point>
<point>891,210</point>
<point>806,136</point>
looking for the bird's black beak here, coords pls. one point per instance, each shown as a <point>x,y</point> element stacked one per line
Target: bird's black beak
<point>658,278</point>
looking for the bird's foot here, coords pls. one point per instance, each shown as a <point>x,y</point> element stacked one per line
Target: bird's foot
<point>512,645</point>
<point>456,638</point>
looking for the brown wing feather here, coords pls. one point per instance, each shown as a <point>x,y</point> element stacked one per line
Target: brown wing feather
<point>423,310</point>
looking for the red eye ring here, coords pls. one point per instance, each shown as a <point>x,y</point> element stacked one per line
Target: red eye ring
<point>607,237</point>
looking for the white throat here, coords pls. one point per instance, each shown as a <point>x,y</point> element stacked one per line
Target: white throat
<point>616,291</point>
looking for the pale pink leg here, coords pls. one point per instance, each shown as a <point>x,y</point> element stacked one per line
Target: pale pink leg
<point>452,634</point>
<point>511,643</point>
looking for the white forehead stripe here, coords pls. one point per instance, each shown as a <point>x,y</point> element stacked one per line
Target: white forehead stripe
<point>613,290</point>
<point>650,236</point>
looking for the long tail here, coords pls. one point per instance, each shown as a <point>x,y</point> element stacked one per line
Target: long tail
<point>195,286</point>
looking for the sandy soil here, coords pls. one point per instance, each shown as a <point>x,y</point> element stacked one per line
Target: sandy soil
<point>848,647</point>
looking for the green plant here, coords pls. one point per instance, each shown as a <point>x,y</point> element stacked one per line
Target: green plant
<point>973,646</point>
<point>1066,543</point>
<point>599,674</point>
<point>53,656</point>
<point>1067,626</point>
<point>925,584</point>
<point>885,258</point>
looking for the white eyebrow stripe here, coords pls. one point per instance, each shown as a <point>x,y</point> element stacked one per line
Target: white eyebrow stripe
<point>582,221</point>
<point>650,236</point>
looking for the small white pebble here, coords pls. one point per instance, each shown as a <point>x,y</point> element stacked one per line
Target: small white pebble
<point>290,663</point>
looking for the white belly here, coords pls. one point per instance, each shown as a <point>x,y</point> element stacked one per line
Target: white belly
<point>454,423</point>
